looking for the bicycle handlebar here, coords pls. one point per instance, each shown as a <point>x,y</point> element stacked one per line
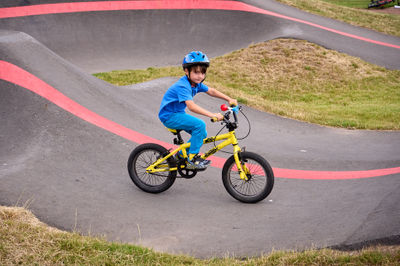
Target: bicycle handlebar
<point>228,111</point>
<point>214,119</point>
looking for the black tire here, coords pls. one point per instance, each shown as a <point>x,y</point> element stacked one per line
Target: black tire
<point>143,156</point>
<point>260,182</point>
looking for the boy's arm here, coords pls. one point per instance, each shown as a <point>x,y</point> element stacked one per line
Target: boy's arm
<point>216,93</point>
<point>200,110</point>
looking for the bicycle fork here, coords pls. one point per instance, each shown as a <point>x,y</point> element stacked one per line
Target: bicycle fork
<point>242,169</point>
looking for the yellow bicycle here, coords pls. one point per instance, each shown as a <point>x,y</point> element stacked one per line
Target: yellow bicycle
<point>247,176</point>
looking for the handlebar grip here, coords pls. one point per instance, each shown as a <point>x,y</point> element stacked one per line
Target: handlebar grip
<point>214,119</point>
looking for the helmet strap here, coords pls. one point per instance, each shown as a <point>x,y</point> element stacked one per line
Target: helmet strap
<point>188,76</point>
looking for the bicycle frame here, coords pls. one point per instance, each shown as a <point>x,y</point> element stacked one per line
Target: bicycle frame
<point>230,139</point>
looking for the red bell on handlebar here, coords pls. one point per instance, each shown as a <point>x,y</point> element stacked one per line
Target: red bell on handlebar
<point>224,108</point>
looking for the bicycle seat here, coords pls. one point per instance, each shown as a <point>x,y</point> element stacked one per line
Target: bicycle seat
<point>174,131</point>
<point>177,132</point>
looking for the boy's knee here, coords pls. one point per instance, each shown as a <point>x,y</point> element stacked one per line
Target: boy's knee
<point>201,127</point>
<point>202,124</point>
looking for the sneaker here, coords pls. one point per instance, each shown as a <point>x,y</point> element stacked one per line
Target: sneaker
<point>198,157</point>
<point>198,163</point>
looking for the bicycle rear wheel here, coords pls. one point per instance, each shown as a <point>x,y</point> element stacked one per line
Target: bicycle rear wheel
<point>260,178</point>
<point>142,157</point>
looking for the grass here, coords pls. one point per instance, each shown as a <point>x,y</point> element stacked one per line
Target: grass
<point>352,3</point>
<point>127,77</point>
<point>299,80</point>
<point>354,12</point>
<point>27,241</point>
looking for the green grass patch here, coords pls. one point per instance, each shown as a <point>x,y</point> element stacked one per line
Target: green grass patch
<point>353,12</point>
<point>24,240</point>
<point>300,80</point>
<point>350,3</point>
<point>122,78</point>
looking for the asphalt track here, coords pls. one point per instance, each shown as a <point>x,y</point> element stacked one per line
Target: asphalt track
<point>65,136</point>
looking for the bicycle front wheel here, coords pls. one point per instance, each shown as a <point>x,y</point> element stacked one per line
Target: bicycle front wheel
<point>260,178</point>
<point>142,157</point>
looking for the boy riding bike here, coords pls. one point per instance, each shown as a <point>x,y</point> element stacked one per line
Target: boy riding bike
<point>180,95</point>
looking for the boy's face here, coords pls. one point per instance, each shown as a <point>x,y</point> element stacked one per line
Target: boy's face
<point>197,74</point>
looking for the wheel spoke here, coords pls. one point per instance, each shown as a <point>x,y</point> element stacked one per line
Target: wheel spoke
<point>144,160</point>
<point>256,179</point>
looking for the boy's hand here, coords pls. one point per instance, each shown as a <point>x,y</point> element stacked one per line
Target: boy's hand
<point>218,117</point>
<point>233,102</point>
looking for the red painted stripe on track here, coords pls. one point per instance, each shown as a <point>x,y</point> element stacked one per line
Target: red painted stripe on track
<point>22,78</point>
<point>43,9</point>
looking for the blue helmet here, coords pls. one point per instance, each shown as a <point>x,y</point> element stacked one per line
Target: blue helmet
<point>195,58</point>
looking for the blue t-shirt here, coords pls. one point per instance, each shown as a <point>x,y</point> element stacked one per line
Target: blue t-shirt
<point>175,97</point>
